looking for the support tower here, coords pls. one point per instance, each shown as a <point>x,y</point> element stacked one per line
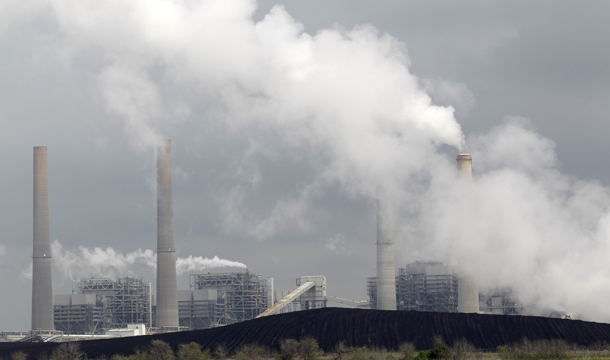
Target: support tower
<point>42,282</point>
<point>167,288</point>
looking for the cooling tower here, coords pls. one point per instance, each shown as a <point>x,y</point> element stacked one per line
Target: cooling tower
<point>468,288</point>
<point>386,275</point>
<point>42,283</point>
<point>167,288</point>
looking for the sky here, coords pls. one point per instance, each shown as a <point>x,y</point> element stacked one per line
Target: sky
<point>287,116</point>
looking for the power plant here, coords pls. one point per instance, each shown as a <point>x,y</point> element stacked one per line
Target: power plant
<point>167,286</point>
<point>42,281</point>
<point>105,305</point>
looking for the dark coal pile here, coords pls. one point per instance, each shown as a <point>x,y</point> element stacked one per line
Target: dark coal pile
<point>371,328</point>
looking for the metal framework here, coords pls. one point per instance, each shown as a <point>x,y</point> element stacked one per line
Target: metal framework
<point>421,291</point>
<point>125,300</point>
<point>241,296</point>
<point>78,319</point>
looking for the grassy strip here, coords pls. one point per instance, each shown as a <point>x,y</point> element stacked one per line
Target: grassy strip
<point>308,349</point>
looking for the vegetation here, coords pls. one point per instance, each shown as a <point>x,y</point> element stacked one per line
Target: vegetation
<point>307,349</point>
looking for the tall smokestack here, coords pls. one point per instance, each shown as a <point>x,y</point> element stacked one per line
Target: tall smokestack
<point>167,288</point>
<point>42,282</point>
<point>468,288</point>
<point>386,274</point>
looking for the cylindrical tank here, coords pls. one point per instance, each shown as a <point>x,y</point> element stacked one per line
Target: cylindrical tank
<point>42,282</point>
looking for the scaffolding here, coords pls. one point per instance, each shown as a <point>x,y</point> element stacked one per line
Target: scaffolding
<point>422,286</point>
<point>125,300</point>
<point>240,296</point>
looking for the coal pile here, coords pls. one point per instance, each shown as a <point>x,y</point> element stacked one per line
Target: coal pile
<point>355,327</point>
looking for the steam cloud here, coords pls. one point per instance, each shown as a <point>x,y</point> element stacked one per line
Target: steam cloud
<point>99,262</point>
<point>347,100</point>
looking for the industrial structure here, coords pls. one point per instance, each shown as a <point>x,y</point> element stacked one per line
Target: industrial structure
<point>310,294</point>
<point>102,303</point>
<point>216,299</point>
<point>423,286</point>
<point>386,285</point>
<point>468,289</point>
<point>500,301</point>
<point>42,283</point>
<point>167,286</point>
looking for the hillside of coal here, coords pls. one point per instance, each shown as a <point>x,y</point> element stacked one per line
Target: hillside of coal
<point>355,327</point>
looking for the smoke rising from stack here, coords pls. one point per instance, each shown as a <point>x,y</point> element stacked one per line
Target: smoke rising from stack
<point>42,282</point>
<point>386,273</point>
<point>167,285</point>
<point>107,262</point>
<point>468,288</point>
<point>346,101</point>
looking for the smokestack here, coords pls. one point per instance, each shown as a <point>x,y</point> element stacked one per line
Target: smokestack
<point>42,282</point>
<point>468,288</point>
<point>167,288</point>
<point>386,274</point>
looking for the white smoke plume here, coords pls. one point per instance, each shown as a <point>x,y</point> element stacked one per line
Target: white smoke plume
<point>522,223</point>
<point>267,75</point>
<point>98,262</point>
<point>2,252</point>
<point>191,263</point>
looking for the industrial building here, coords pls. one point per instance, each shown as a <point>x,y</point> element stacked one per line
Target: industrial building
<point>103,303</point>
<point>500,301</point>
<point>422,286</point>
<point>217,299</point>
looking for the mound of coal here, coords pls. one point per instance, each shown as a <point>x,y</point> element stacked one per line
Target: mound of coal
<point>355,327</point>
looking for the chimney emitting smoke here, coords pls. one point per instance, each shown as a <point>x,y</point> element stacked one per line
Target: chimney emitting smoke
<point>42,282</point>
<point>468,287</point>
<point>167,287</point>
<point>386,274</point>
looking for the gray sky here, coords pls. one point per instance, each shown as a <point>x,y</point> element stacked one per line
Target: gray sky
<point>263,175</point>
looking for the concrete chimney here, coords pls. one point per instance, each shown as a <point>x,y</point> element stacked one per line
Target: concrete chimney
<point>167,288</point>
<point>468,287</point>
<point>42,282</point>
<point>386,274</point>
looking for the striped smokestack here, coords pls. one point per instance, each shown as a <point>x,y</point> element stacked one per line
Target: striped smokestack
<point>386,275</point>
<point>468,288</point>
<point>167,288</point>
<point>42,282</point>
